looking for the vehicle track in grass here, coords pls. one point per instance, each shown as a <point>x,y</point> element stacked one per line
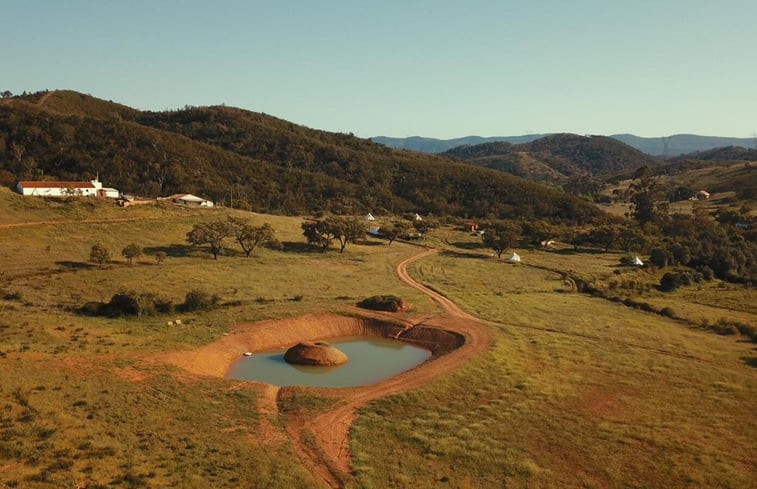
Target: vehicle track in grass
<point>323,440</point>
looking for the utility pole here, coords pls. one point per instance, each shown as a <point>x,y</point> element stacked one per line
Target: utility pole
<point>665,143</point>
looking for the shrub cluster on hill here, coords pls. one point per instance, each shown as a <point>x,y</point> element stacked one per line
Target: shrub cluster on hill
<point>391,303</point>
<point>672,280</point>
<point>138,304</point>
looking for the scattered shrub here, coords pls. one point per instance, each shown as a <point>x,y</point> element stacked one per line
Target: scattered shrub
<point>129,303</point>
<point>672,280</point>
<point>99,254</point>
<point>390,303</point>
<point>91,309</point>
<point>12,296</point>
<point>199,300</point>
<point>707,272</point>
<point>163,305</point>
<point>131,251</point>
<point>669,312</point>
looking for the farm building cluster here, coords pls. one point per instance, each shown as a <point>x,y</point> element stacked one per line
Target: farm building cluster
<point>94,188</point>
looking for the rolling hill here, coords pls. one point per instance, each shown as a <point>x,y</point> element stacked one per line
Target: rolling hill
<point>556,158</point>
<point>267,163</point>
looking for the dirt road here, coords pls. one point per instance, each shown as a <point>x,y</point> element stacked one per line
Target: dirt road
<point>329,461</point>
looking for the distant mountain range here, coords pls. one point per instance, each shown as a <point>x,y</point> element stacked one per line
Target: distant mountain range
<point>668,146</point>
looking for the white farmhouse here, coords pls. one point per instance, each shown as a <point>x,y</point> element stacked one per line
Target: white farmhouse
<point>93,188</point>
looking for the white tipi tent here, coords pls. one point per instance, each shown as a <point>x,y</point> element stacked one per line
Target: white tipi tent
<point>369,217</point>
<point>418,217</point>
<point>515,258</point>
<point>637,261</point>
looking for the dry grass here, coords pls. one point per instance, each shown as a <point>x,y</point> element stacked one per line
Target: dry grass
<point>576,392</point>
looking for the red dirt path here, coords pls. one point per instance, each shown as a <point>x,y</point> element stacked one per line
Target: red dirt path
<point>331,459</point>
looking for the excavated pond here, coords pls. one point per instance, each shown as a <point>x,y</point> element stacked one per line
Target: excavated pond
<point>371,359</point>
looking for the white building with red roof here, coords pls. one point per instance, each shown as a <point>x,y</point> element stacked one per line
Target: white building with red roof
<point>93,188</point>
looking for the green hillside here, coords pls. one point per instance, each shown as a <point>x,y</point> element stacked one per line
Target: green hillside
<point>556,158</point>
<point>266,163</point>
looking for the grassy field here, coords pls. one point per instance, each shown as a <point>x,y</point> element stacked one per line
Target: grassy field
<point>576,391</point>
<point>78,399</point>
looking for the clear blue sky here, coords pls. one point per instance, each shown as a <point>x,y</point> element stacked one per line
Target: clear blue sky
<point>401,68</point>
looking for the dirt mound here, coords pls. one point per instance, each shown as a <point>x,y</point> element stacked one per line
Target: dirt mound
<point>317,353</point>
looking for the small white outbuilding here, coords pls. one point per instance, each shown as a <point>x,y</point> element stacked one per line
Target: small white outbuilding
<point>190,200</point>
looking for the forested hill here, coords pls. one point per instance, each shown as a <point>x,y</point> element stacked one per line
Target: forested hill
<point>556,158</point>
<point>271,164</point>
<point>728,153</point>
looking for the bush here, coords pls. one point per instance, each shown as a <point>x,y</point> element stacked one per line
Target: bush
<point>672,280</point>
<point>129,303</point>
<point>163,305</point>
<point>390,303</point>
<point>199,300</point>
<point>669,312</point>
<point>707,272</point>
<point>91,309</point>
<point>12,296</point>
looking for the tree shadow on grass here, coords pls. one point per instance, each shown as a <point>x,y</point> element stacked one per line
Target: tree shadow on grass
<point>468,245</point>
<point>299,247</point>
<point>75,265</point>
<point>372,242</point>
<point>457,254</point>
<point>174,250</point>
<point>750,361</point>
<point>580,251</point>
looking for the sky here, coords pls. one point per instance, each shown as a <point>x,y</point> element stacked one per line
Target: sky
<point>401,68</point>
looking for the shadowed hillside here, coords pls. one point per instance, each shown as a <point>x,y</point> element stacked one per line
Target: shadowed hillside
<point>267,163</point>
<point>556,158</point>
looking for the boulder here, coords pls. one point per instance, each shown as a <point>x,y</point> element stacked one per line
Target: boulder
<point>317,353</point>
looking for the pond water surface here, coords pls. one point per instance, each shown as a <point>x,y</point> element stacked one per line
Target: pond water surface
<point>372,359</point>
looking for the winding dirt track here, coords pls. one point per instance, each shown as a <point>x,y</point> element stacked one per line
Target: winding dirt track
<point>328,456</point>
